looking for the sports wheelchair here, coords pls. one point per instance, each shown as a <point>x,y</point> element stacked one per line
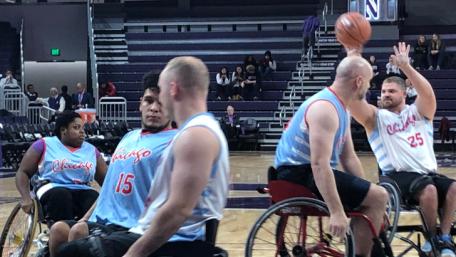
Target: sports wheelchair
<point>398,204</point>
<point>18,234</point>
<point>297,224</point>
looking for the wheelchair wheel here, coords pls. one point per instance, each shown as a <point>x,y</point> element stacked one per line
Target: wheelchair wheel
<point>393,210</point>
<point>296,227</point>
<point>17,235</point>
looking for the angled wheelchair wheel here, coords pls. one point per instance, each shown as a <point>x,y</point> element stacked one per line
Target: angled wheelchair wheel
<point>393,210</point>
<point>296,227</point>
<point>17,235</point>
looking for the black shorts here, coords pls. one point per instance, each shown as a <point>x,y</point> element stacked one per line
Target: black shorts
<point>97,228</point>
<point>117,244</point>
<point>412,183</point>
<point>60,203</point>
<point>352,189</point>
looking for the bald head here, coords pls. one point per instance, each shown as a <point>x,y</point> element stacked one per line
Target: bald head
<point>189,72</point>
<point>353,66</point>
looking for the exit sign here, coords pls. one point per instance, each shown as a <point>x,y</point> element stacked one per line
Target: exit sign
<point>55,51</point>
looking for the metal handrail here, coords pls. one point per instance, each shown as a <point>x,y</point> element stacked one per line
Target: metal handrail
<point>281,115</point>
<point>93,56</point>
<point>21,42</point>
<point>324,15</point>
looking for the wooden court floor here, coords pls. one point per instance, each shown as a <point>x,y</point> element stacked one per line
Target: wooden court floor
<point>233,230</point>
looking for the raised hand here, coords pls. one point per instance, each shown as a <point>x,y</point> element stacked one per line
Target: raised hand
<point>401,55</point>
<point>354,51</point>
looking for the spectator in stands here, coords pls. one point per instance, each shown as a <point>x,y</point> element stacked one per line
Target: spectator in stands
<point>410,91</point>
<point>223,83</point>
<point>82,99</point>
<point>68,101</point>
<point>107,89</point>
<point>391,69</point>
<point>376,78</point>
<point>237,80</point>
<point>420,53</point>
<point>250,60</point>
<point>230,124</point>
<point>444,129</point>
<point>250,83</point>
<point>308,33</point>
<point>54,101</point>
<point>267,66</point>
<point>65,165</point>
<point>30,93</point>
<point>436,52</point>
<point>8,81</point>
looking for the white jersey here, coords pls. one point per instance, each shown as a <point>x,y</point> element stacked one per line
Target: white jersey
<point>403,142</point>
<point>213,198</point>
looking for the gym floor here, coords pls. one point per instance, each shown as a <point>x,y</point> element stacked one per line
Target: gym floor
<point>249,168</point>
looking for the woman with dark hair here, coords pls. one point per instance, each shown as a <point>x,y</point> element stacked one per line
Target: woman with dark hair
<point>65,166</point>
<point>223,82</point>
<point>267,66</point>
<point>436,52</point>
<point>237,80</point>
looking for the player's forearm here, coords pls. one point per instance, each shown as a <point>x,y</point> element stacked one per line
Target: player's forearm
<point>89,212</point>
<point>23,184</point>
<point>326,184</point>
<point>353,166</point>
<point>164,225</point>
<point>420,83</point>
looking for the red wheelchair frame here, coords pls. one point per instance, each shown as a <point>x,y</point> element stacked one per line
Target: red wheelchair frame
<point>292,199</point>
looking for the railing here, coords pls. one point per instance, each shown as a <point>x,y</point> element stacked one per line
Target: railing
<point>112,109</point>
<point>282,115</point>
<point>15,101</point>
<point>325,15</point>
<point>21,42</point>
<point>92,55</point>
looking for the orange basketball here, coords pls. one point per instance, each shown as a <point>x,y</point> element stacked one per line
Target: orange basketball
<point>353,30</point>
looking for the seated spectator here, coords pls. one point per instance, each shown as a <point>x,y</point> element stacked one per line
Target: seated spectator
<point>391,69</point>
<point>30,93</point>
<point>68,101</point>
<point>8,81</point>
<point>436,52</point>
<point>444,129</point>
<point>410,91</point>
<point>54,101</point>
<point>107,89</point>
<point>420,53</point>
<point>223,82</point>
<point>375,79</point>
<point>267,66</point>
<point>250,60</point>
<point>250,82</point>
<point>82,99</point>
<point>230,124</point>
<point>237,80</point>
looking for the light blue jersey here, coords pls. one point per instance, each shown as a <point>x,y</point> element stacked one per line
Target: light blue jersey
<point>130,174</point>
<point>62,167</point>
<point>213,198</point>
<point>294,149</point>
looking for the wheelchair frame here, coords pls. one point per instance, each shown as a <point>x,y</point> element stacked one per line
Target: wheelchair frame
<point>297,200</point>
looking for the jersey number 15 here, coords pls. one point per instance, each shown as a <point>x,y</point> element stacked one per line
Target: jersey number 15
<point>124,184</point>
